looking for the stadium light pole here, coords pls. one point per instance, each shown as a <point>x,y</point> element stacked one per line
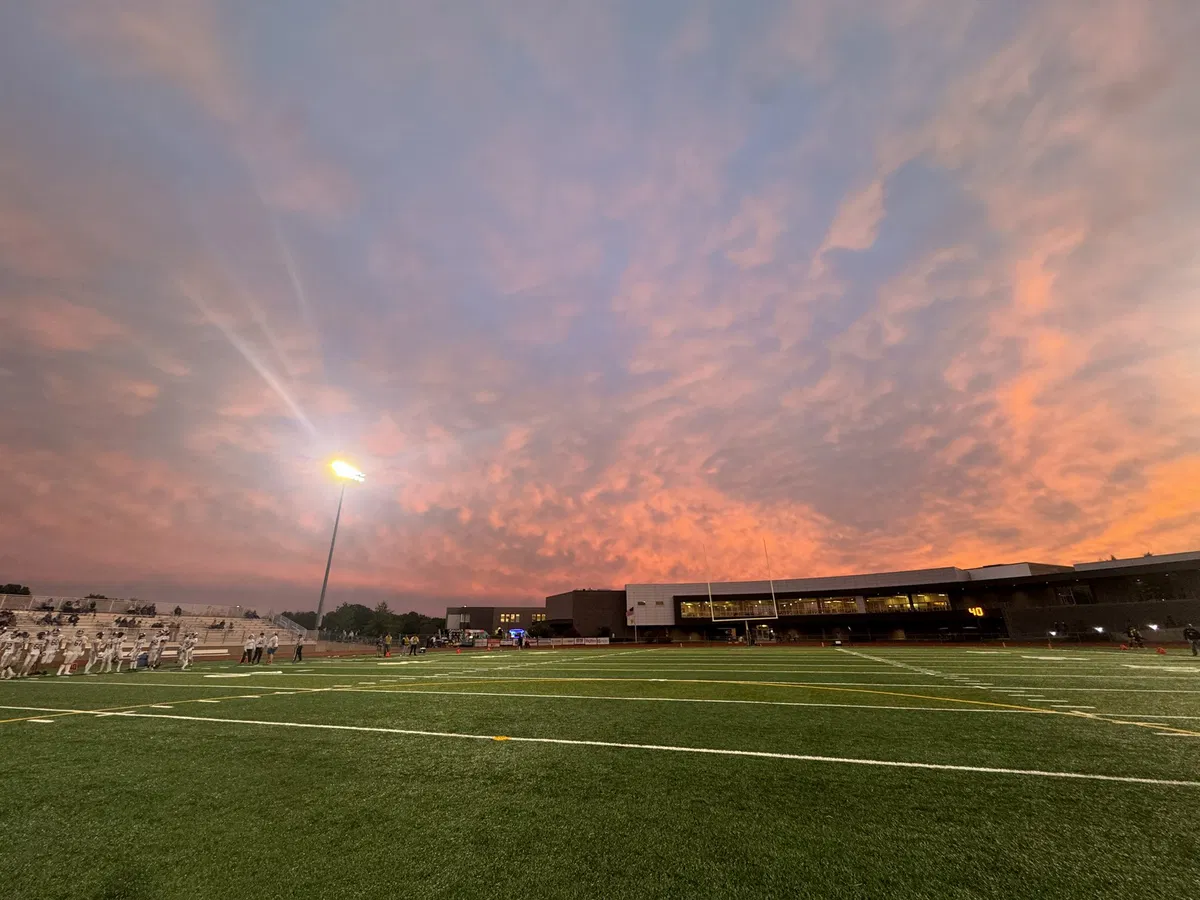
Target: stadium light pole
<point>345,472</point>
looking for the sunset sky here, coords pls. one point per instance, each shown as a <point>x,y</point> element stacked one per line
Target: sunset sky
<point>587,288</point>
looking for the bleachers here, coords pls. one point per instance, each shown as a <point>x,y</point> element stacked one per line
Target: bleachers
<point>28,617</point>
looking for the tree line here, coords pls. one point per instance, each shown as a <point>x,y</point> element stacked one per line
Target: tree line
<point>372,622</point>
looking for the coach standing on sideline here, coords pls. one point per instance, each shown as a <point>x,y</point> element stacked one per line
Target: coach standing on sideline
<point>298,654</point>
<point>1192,635</point>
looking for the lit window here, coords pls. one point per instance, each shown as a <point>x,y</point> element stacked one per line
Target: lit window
<point>898,603</point>
<point>931,602</point>
<point>839,605</point>
<point>798,608</point>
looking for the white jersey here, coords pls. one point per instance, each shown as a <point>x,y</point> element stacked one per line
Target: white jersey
<point>249,644</point>
<point>273,643</point>
<point>77,646</point>
<point>10,643</point>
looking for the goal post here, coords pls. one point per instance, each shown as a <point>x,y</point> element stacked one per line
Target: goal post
<point>744,611</point>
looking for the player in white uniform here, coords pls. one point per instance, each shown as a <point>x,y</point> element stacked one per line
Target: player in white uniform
<point>10,645</point>
<point>139,647</point>
<point>185,650</point>
<point>111,649</point>
<point>33,653</point>
<point>96,650</point>
<point>118,650</point>
<point>50,650</point>
<point>158,644</point>
<point>73,652</point>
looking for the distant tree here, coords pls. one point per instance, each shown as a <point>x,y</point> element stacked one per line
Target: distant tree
<point>306,619</point>
<point>539,630</point>
<point>349,617</point>
<point>15,589</point>
<point>383,620</point>
<point>95,597</point>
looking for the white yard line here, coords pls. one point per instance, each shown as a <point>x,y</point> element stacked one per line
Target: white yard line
<point>668,748</point>
<point>137,683</point>
<point>408,691</point>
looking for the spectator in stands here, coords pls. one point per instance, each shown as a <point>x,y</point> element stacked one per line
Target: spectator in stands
<point>1191,634</point>
<point>178,611</point>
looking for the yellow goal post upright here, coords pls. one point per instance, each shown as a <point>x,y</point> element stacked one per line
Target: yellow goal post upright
<point>761,611</point>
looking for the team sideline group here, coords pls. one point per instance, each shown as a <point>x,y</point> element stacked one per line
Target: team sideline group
<point>23,654</point>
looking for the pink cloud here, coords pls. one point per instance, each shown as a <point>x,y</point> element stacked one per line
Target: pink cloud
<point>56,324</point>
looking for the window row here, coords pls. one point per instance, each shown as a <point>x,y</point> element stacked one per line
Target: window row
<point>750,609</point>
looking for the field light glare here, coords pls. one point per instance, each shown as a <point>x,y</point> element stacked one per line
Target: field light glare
<point>343,469</point>
<point>1154,628</point>
<point>1098,629</point>
<point>346,472</point>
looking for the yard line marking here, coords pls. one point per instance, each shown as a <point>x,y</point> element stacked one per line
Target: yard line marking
<point>105,711</point>
<point>669,748</point>
<point>137,684</point>
<point>889,662</point>
<point>1159,733</point>
<point>701,700</point>
<point>786,684</point>
<point>41,721</point>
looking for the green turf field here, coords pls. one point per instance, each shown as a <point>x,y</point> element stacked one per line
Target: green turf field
<point>874,772</point>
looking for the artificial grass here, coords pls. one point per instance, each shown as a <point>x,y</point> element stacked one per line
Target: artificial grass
<point>139,807</point>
